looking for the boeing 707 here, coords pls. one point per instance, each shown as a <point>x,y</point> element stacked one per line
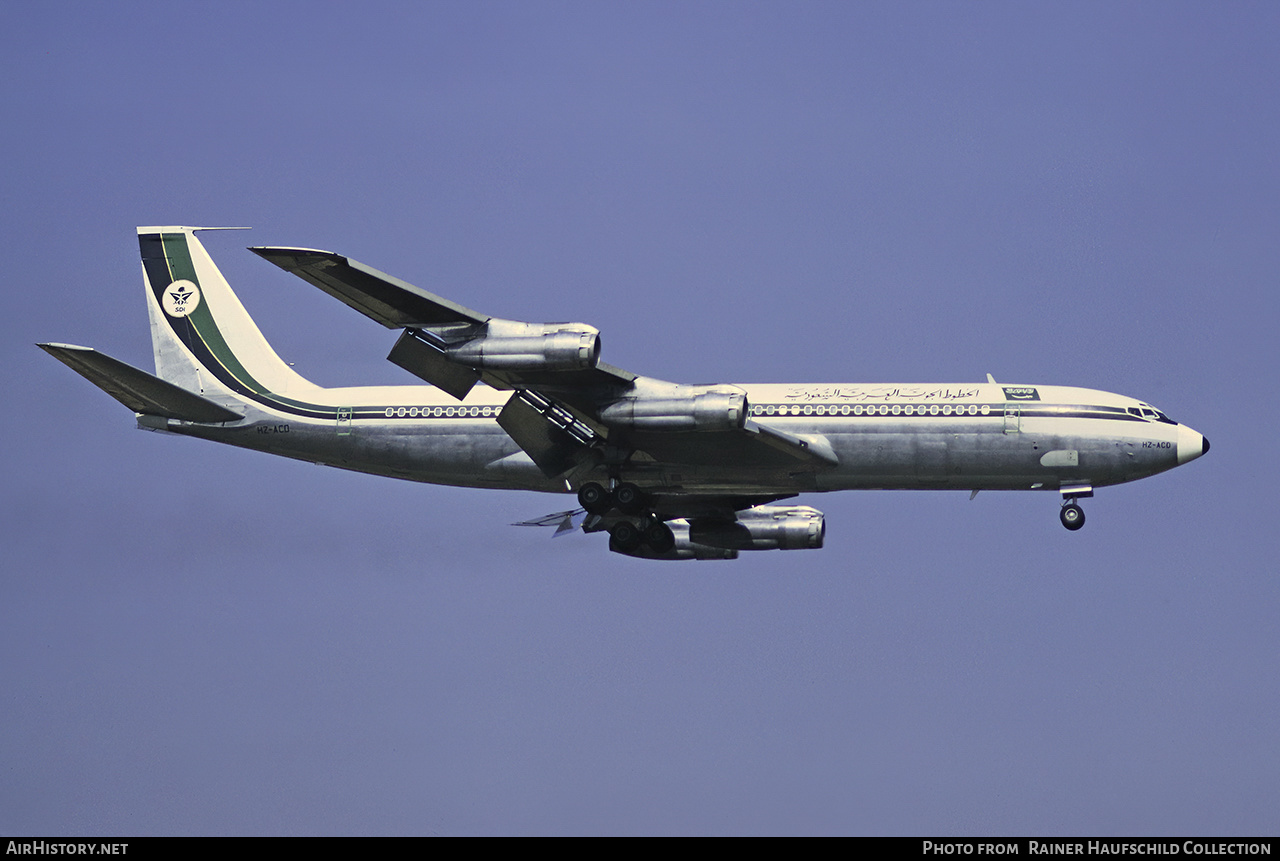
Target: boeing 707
<point>667,470</point>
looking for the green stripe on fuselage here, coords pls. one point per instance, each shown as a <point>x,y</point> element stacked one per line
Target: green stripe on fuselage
<point>178,257</point>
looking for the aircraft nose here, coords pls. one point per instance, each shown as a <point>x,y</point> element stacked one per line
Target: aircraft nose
<point>1191,444</point>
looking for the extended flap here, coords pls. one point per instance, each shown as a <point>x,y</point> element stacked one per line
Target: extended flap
<point>548,433</point>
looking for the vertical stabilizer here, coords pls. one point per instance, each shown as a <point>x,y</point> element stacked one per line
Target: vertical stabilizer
<point>203,338</point>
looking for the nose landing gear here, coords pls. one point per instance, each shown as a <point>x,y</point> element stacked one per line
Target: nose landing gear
<point>1072,515</point>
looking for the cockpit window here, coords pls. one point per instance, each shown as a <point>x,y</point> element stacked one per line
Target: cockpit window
<point>1144,411</point>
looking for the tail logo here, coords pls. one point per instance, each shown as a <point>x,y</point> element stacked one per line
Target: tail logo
<point>181,298</point>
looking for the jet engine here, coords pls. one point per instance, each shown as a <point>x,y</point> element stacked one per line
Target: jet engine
<point>452,357</point>
<point>682,549</point>
<point>766,527</point>
<point>683,408</point>
<point>513,346</point>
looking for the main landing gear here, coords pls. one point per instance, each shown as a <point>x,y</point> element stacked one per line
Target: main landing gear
<point>628,536</point>
<point>594,498</point>
<point>637,524</point>
<point>627,498</point>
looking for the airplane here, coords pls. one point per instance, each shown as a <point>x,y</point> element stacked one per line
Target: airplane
<point>668,470</point>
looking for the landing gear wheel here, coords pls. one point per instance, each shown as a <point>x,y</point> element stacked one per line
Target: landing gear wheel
<point>1072,516</point>
<point>594,498</point>
<point>629,499</point>
<point>626,537</point>
<point>659,537</point>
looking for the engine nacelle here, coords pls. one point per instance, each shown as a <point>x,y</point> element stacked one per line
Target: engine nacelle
<point>683,549</point>
<point>512,346</point>
<point>685,408</point>
<point>765,527</point>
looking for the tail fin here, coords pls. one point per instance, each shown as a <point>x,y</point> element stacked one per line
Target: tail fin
<point>203,339</point>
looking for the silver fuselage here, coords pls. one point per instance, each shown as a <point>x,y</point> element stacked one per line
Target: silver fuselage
<point>884,436</point>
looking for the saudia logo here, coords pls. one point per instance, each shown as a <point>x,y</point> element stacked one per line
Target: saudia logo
<point>1021,393</point>
<point>180,298</point>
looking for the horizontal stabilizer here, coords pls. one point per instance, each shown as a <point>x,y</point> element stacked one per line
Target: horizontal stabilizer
<point>138,390</point>
<point>394,303</point>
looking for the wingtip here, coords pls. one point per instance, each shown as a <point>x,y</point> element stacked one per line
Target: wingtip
<point>53,347</point>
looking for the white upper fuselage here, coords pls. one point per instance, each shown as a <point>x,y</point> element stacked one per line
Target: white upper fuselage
<point>883,435</point>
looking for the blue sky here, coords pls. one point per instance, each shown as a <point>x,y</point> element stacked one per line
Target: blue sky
<point>202,640</point>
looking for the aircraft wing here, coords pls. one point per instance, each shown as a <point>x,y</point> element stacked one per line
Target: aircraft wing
<point>394,303</point>
<point>752,445</point>
<point>568,402</point>
<point>431,322</point>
